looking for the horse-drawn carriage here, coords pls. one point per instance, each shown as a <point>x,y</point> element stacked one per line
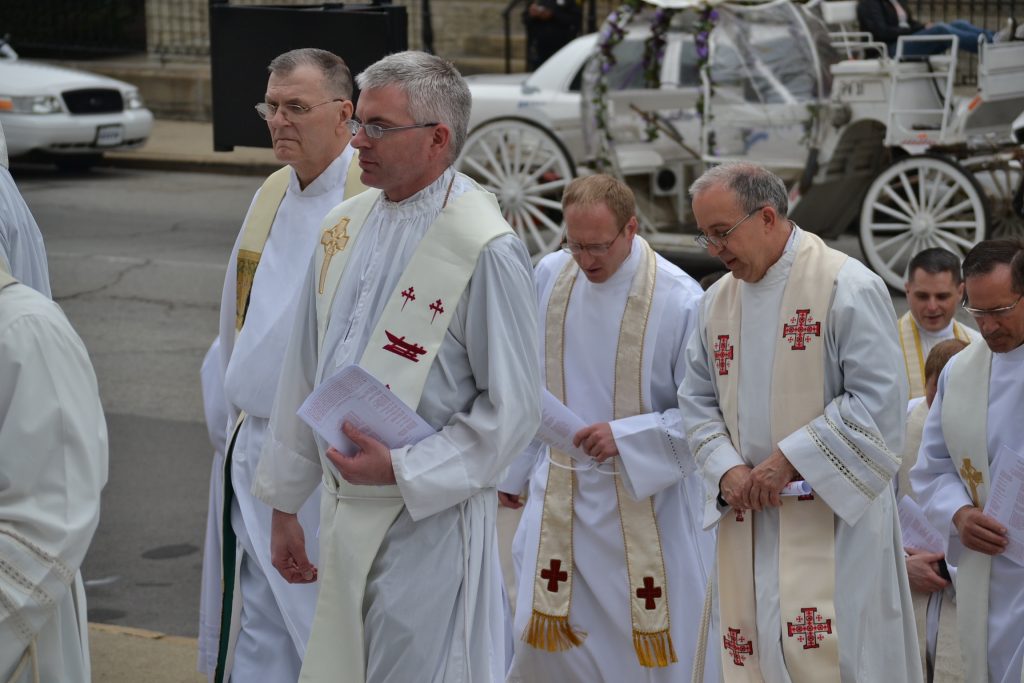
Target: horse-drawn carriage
<point>853,131</point>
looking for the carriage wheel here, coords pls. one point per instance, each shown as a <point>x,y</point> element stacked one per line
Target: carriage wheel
<point>527,168</point>
<point>915,204</point>
<point>1001,180</point>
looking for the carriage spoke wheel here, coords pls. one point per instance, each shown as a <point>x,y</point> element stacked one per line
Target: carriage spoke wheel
<point>526,168</point>
<point>1001,180</point>
<point>915,204</point>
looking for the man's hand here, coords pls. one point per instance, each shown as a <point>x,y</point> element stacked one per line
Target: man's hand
<point>509,500</point>
<point>980,532</point>
<point>288,549</point>
<point>768,479</point>
<point>734,485</point>
<point>369,466</point>
<point>923,571</point>
<point>597,441</point>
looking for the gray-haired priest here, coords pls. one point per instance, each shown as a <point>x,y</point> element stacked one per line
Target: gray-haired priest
<point>794,385</point>
<point>423,285</point>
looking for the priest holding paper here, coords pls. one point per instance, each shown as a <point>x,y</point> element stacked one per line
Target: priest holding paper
<point>971,457</point>
<point>612,563</point>
<point>794,373</point>
<point>423,285</point>
<point>253,624</point>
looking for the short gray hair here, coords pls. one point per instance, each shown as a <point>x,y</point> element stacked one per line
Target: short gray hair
<point>754,185</point>
<point>435,88</point>
<point>337,77</point>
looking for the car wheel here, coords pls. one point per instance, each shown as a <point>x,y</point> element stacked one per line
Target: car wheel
<point>527,168</point>
<point>917,203</point>
<point>77,163</point>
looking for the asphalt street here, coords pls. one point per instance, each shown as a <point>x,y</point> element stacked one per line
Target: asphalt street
<point>137,261</point>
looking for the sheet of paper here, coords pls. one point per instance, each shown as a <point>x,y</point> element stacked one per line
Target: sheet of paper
<point>796,488</point>
<point>353,395</point>
<point>558,425</point>
<point>1006,501</point>
<point>918,532</point>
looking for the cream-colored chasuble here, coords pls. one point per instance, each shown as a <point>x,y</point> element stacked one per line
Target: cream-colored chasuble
<point>549,627</point>
<point>400,353</point>
<point>261,219</point>
<point>965,428</point>
<point>913,351</point>
<point>807,526</point>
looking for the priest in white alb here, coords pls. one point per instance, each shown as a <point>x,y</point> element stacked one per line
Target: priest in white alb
<point>53,466</point>
<point>612,562</point>
<point>794,376</point>
<point>22,253</point>
<point>934,289</point>
<point>253,624</point>
<point>422,284</point>
<point>974,429</point>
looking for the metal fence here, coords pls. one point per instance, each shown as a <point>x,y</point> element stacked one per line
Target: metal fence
<point>74,28</point>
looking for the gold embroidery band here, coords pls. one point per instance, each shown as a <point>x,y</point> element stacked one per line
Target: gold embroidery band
<point>913,354</point>
<point>254,238</point>
<point>810,642</point>
<point>965,427</point>
<point>549,626</point>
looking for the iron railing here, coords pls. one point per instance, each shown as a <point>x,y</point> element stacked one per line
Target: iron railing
<point>72,28</point>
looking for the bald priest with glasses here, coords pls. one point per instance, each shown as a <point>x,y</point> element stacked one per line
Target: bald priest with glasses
<point>612,563</point>
<point>253,624</point>
<point>793,374</point>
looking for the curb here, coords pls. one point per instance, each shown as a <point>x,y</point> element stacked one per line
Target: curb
<point>140,633</point>
<point>187,165</point>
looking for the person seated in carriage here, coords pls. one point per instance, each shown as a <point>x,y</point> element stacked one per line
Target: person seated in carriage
<point>887,20</point>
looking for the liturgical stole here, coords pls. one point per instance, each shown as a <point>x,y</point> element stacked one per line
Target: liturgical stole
<point>913,352</point>
<point>965,429</point>
<point>400,353</point>
<point>806,541</point>
<point>257,229</point>
<point>549,627</point>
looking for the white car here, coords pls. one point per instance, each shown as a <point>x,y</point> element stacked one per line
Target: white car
<point>65,115</point>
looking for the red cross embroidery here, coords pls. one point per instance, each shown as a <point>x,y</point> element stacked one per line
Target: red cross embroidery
<point>806,496</point>
<point>410,295</point>
<point>723,354</point>
<point>800,329</point>
<point>739,647</point>
<point>649,592</point>
<point>739,516</point>
<point>554,575</point>
<point>809,627</point>
<point>403,348</point>
<point>436,307</point>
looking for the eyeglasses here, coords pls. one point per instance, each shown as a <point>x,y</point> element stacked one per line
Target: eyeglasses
<point>599,249</point>
<point>992,312</point>
<point>375,132</point>
<point>718,241</point>
<point>291,111</point>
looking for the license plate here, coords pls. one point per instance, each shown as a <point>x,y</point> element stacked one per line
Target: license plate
<point>108,136</point>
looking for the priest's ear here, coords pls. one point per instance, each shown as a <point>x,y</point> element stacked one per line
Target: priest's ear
<point>347,109</point>
<point>632,225</point>
<point>441,140</point>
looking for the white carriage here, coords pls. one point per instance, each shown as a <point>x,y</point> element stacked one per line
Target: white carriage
<point>854,132</point>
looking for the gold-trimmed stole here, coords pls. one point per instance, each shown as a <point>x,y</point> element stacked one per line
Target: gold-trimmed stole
<point>257,229</point>
<point>549,627</point>
<point>913,351</point>
<point>965,428</point>
<point>810,642</point>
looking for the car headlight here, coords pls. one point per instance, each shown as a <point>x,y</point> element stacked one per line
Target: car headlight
<point>132,99</point>
<point>37,104</point>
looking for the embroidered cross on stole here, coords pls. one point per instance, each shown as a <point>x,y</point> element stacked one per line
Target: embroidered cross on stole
<point>548,627</point>
<point>965,428</point>
<point>806,525</point>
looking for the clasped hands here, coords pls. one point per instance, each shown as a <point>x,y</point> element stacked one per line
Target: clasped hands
<point>755,488</point>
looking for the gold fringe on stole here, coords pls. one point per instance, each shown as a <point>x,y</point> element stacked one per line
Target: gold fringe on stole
<point>554,634</point>
<point>248,261</point>
<point>654,649</point>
